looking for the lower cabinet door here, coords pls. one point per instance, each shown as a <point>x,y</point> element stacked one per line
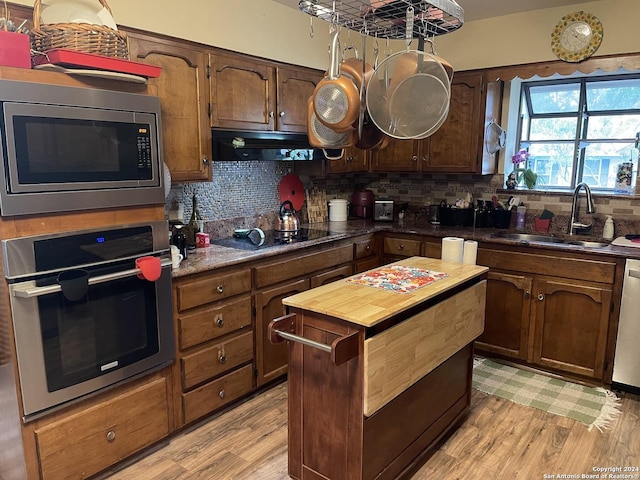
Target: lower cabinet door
<point>85,443</point>
<point>213,395</point>
<point>272,359</point>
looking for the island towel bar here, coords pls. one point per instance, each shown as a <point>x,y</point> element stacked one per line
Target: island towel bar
<point>342,349</point>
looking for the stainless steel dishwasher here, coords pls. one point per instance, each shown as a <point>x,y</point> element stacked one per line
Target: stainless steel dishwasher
<point>626,364</point>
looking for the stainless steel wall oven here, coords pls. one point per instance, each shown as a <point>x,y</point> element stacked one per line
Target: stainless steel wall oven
<point>90,310</point>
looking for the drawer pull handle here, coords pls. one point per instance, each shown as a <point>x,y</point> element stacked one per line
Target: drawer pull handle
<point>222,358</point>
<point>342,349</point>
<point>221,394</point>
<point>220,289</point>
<point>368,248</point>
<point>111,436</point>
<point>540,297</point>
<point>219,321</point>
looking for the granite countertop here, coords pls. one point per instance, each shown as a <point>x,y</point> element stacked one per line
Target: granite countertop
<point>216,256</point>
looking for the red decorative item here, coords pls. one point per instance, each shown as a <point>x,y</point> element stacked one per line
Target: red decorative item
<point>291,188</point>
<point>74,59</point>
<point>15,49</point>
<point>150,268</point>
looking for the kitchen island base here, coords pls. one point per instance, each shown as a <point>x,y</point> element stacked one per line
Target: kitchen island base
<point>348,417</point>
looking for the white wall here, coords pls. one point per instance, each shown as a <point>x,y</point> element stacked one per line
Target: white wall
<point>269,29</point>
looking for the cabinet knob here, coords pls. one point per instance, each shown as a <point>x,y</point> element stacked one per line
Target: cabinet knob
<point>111,436</point>
<point>222,358</point>
<point>281,114</point>
<point>414,158</point>
<point>221,393</point>
<point>424,159</point>
<point>349,158</point>
<point>527,294</point>
<point>401,247</point>
<point>368,248</point>
<point>271,115</point>
<point>540,297</point>
<point>219,321</point>
<point>220,289</point>
<point>205,160</point>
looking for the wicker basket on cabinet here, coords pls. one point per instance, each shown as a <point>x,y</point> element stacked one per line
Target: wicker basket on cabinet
<point>81,37</point>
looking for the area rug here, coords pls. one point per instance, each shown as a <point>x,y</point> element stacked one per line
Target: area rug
<point>594,407</point>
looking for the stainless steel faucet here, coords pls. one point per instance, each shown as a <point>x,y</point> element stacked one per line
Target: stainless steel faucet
<point>574,224</point>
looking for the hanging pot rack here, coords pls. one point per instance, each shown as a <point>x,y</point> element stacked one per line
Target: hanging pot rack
<point>388,18</point>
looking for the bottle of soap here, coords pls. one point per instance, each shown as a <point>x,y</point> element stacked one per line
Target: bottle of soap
<point>607,233</point>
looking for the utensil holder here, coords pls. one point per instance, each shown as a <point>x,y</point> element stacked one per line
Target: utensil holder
<point>501,218</point>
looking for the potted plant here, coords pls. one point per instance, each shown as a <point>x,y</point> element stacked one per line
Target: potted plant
<point>521,174</point>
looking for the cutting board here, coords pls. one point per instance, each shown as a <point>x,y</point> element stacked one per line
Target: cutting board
<point>623,242</point>
<point>317,205</point>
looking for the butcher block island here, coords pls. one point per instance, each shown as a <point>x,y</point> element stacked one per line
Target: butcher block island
<point>380,367</point>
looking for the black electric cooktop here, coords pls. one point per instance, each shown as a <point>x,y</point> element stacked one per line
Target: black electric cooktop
<point>272,238</point>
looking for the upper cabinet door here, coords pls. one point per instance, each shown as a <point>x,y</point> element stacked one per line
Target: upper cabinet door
<point>243,93</point>
<point>183,91</point>
<point>458,146</point>
<point>294,87</point>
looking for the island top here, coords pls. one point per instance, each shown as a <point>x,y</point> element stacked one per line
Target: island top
<point>371,297</point>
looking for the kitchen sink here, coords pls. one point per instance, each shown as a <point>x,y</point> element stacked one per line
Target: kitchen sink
<point>528,237</point>
<point>584,243</point>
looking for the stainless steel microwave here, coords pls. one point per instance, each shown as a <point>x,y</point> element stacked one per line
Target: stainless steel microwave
<point>72,148</point>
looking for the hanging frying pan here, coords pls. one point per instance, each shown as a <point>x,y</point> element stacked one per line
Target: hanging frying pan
<point>321,136</point>
<point>336,97</point>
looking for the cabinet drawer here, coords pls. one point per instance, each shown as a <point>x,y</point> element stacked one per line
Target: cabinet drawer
<point>402,246</point>
<point>222,318</point>
<point>302,265</point>
<point>216,394</point>
<point>557,266</point>
<point>331,276</point>
<point>83,444</point>
<point>215,360</point>
<point>211,288</point>
<point>365,248</point>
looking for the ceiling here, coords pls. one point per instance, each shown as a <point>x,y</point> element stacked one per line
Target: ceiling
<point>479,9</point>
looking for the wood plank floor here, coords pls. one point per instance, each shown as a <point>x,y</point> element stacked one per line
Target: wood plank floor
<point>498,440</point>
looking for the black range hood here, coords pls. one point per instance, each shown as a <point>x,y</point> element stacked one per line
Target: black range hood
<point>236,145</point>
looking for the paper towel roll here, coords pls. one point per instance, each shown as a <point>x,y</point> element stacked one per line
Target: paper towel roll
<point>452,249</point>
<point>470,252</point>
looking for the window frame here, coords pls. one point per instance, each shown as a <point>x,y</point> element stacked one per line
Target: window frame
<point>580,140</point>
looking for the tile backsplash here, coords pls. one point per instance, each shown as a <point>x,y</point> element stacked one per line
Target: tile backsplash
<point>246,193</point>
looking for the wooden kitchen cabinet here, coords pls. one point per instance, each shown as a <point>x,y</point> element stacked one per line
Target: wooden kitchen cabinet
<point>458,145</point>
<point>533,315</point>
<point>183,89</point>
<point>282,278</point>
<point>506,328</point>
<point>353,160</point>
<point>250,94</point>
<point>366,253</point>
<point>81,444</point>
<point>215,342</point>
<point>397,247</point>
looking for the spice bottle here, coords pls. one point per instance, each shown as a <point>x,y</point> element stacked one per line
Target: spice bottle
<point>607,233</point>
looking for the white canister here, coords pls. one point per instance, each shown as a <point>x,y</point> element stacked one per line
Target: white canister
<point>337,210</point>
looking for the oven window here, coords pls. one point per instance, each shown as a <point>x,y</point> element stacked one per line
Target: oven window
<point>114,325</point>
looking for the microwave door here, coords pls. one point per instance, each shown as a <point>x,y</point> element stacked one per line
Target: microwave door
<point>115,149</point>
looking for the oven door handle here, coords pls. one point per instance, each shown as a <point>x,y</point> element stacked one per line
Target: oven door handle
<point>29,291</point>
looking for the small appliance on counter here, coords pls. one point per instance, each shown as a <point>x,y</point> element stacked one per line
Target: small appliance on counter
<point>362,203</point>
<point>383,210</point>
